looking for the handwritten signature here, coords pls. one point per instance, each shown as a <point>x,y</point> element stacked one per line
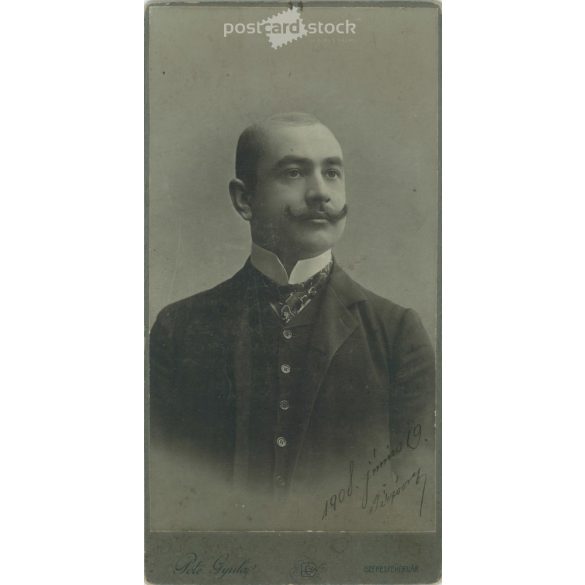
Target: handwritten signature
<point>371,502</point>
<point>191,564</point>
<point>386,495</point>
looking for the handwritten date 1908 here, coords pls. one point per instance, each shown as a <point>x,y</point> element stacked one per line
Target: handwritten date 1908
<point>376,466</point>
<point>336,500</point>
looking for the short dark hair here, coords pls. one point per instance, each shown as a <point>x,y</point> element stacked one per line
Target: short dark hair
<point>249,148</point>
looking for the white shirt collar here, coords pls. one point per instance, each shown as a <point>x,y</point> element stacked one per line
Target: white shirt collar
<point>271,266</point>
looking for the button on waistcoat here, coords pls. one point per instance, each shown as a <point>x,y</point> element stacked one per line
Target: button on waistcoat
<point>278,355</point>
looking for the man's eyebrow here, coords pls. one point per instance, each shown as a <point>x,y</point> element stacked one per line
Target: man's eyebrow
<point>291,159</point>
<point>334,160</point>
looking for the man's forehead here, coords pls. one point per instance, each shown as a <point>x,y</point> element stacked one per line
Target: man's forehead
<point>313,141</point>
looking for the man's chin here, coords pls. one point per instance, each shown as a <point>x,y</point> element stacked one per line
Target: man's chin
<point>309,241</point>
<point>306,250</point>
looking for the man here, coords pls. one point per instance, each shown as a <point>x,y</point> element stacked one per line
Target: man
<point>285,376</point>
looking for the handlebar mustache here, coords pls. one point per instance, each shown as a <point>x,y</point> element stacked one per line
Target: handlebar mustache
<point>317,214</point>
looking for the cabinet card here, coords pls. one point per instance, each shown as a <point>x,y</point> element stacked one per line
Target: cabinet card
<point>293,318</point>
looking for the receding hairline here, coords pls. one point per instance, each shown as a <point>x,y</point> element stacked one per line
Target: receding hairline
<point>288,119</point>
<point>259,130</point>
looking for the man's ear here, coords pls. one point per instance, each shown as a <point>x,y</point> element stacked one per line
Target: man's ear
<point>241,198</point>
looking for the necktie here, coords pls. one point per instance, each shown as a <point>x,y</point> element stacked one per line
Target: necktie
<point>292,299</point>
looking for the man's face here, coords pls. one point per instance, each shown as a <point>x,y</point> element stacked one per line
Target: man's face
<point>300,188</point>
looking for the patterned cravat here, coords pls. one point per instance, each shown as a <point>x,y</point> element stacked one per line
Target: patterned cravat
<point>293,298</point>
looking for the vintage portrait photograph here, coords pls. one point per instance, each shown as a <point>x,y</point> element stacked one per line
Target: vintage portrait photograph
<point>293,222</point>
<point>279,282</point>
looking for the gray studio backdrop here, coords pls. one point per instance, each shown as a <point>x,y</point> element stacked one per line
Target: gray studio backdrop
<point>379,95</point>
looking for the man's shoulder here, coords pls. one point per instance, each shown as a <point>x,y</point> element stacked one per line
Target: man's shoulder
<point>364,298</point>
<point>377,313</point>
<point>382,304</point>
<point>209,303</point>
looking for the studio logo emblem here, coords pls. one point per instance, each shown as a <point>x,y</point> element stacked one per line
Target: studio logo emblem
<point>307,569</point>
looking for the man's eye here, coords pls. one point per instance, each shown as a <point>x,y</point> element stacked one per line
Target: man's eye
<point>293,173</point>
<point>333,173</point>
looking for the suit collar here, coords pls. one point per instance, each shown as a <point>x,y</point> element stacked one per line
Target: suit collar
<point>340,293</point>
<point>347,291</point>
<point>271,266</point>
<point>335,321</point>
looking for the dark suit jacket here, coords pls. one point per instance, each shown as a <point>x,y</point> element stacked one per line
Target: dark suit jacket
<point>369,378</point>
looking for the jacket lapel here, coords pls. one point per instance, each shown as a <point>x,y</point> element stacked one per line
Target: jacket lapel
<point>334,324</point>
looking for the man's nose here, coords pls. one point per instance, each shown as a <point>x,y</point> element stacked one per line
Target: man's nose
<point>317,191</point>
